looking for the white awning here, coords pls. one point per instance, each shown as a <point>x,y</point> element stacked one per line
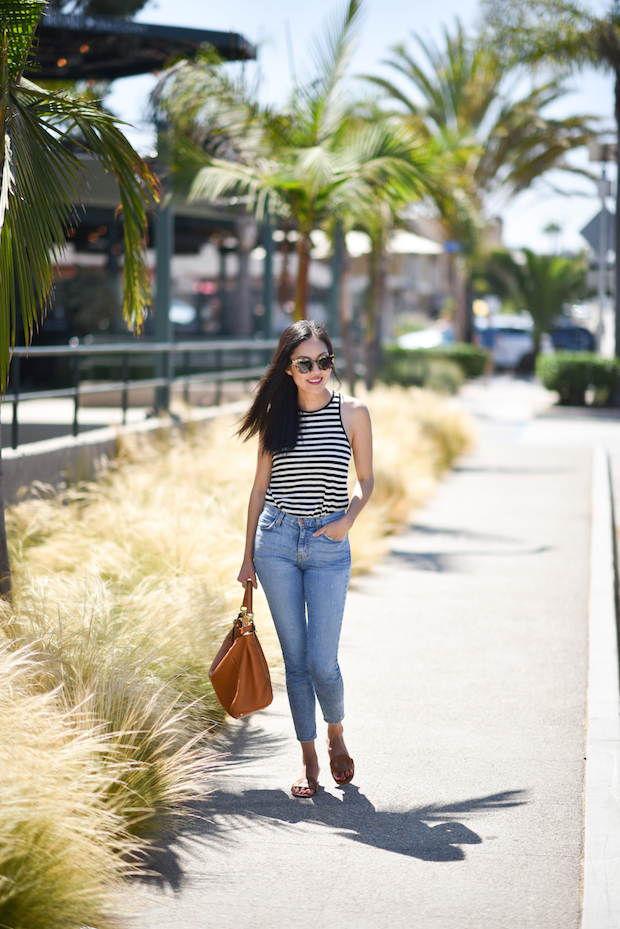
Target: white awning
<point>358,243</point>
<point>408,243</point>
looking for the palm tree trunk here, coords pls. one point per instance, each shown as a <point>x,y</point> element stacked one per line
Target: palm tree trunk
<point>304,247</point>
<point>460,300</point>
<point>5,564</point>
<point>374,314</point>
<point>285,285</point>
<point>345,318</point>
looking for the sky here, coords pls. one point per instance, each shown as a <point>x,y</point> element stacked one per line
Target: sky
<point>385,23</point>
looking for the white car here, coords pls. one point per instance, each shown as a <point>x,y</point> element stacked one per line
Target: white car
<point>509,338</point>
<point>426,338</point>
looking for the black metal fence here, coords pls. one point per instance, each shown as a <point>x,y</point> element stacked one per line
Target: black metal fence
<point>170,363</point>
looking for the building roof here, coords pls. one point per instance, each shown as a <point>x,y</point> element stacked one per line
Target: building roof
<point>77,47</point>
<point>408,243</point>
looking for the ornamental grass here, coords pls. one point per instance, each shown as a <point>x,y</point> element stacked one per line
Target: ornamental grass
<point>122,591</point>
<point>63,846</point>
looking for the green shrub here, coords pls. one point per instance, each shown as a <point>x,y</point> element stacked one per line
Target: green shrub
<point>471,358</point>
<point>414,367</point>
<point>443,376</point>
<point>573,373</point>
<point>410,367</point>
<point>418,369</point>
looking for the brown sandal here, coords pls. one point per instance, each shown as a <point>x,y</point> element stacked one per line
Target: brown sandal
<point>339,764</point>
<point>312,783</point>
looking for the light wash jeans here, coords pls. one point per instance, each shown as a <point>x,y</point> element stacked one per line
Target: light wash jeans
<point>305,580</point>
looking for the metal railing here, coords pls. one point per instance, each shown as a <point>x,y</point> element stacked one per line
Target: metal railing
<point>164,358</point>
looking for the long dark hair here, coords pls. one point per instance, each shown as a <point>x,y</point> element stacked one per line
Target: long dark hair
<point>274,413</point>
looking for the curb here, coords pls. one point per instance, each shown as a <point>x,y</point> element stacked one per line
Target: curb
<point>601,857</point>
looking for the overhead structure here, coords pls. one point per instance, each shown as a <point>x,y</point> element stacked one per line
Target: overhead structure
<point>73,46</point>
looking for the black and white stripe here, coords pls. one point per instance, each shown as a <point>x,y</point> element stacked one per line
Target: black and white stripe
<point>311,479</point>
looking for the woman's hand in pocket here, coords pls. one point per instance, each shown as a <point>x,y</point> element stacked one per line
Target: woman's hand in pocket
<point>336,530</point>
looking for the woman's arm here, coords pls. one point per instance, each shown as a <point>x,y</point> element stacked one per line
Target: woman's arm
<point>356,421</point>
<point>255,508</point>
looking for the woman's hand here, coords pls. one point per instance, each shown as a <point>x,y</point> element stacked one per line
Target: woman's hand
<point>247,571</point>
<point>336,530</point>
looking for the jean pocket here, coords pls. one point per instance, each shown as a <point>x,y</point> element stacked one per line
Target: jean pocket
<point>334,541</point>
<point>266,522</point>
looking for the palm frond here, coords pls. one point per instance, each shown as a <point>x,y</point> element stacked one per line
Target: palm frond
<point>45,120</point>
<point>319,104</point>
<point>40,188</point>
<point>393,92</point>
<point>559,31</point>
<point>18,21</point>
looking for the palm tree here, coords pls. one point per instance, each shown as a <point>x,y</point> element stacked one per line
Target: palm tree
<point>541,284</point>
<point>41,179</point>
<point>554,231</point>
<point>499,143</point>
<point>568,35</point>
<point>464,92</point>
<point>311,163</point>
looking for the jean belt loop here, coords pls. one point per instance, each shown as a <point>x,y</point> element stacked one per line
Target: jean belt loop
<point>279,518</point>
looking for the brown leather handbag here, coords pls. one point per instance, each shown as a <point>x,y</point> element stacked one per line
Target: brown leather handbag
<point>239,673</point>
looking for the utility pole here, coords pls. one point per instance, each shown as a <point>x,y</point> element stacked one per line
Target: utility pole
<point>604,191</point>
<point>603,152</point>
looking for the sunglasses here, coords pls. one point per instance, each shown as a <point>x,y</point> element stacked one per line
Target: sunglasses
<point>305,365</point>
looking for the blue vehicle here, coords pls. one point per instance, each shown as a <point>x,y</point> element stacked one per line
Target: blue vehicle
<point>567,337</point>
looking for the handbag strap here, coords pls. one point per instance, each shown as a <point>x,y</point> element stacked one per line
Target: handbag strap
<point>247,598</point>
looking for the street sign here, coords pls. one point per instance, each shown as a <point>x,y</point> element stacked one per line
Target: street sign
<point>592,231</point>
<point>602,151</point>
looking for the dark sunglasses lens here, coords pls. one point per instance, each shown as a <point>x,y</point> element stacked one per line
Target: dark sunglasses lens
<point>324,363</point>
<point>303,365</point>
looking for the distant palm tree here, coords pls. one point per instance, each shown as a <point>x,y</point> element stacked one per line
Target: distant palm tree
<point>41,180</point>
<point>569,35</point>
<point>464,90</point>
<point>554,231</point>
<point>311,162</point>
<point>499,140</point>
<point>540,285</point>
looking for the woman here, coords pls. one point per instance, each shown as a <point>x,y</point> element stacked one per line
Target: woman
<point>298,520</point>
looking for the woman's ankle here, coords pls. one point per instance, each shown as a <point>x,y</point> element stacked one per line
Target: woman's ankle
<point>309,755</point>
<point>334,731</point>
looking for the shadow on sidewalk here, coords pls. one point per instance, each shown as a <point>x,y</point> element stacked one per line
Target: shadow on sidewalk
<point>351,815</point>
<point>446,562</point>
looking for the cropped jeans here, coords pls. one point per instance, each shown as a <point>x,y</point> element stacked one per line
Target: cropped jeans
<point>305,580</point>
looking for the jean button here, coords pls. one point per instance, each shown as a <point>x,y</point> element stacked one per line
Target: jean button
<point>301,522</point>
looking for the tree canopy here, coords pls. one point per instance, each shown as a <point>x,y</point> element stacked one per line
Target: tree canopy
<point>464,92</point>
<point>42,179</point>
<point>538,284</point>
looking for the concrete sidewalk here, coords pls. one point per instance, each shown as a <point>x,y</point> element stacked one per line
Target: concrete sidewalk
<point>465,661</point>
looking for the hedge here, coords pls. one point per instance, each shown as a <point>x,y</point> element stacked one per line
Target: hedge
<point>471,358</point>
<point>406,365</point>
<point>573,373</point>
<point>419,369</point>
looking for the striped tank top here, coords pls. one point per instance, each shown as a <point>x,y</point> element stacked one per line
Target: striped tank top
<point>311,478</point>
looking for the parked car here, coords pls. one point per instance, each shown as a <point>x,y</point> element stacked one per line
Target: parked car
<point>568,337</point>
<point>509,338</point>
<point>426,338</point>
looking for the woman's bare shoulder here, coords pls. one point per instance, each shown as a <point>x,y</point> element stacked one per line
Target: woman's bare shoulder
<point>353,406</point>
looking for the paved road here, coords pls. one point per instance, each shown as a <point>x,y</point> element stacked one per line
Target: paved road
<point>464,656</point>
